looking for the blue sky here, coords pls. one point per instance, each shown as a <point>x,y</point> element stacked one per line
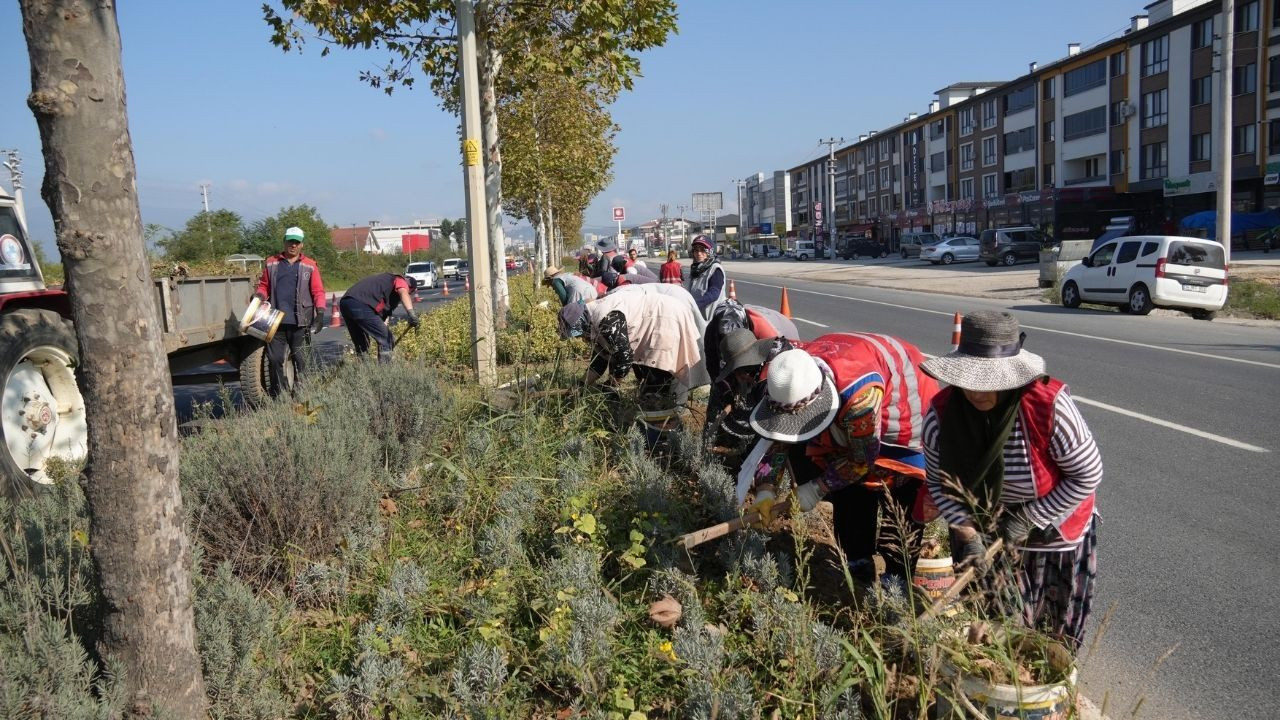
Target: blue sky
<point>746,86</point>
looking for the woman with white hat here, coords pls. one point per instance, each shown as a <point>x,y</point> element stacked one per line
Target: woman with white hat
<point>1006,448</point>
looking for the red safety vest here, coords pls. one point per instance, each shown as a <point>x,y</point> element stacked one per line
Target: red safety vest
<point>1036,413</point>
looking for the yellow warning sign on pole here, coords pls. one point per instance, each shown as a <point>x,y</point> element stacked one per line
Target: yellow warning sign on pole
<point>471,151</point>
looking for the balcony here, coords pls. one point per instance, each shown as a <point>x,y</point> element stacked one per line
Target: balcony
<point>1084,180</point>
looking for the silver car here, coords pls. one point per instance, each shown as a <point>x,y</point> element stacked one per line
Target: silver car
<point>956,249</point>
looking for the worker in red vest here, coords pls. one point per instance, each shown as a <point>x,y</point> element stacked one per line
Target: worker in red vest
<point>291,283</point>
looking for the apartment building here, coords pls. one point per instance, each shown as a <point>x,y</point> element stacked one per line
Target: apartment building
<point>1125,127</point>
<point>766,204</point>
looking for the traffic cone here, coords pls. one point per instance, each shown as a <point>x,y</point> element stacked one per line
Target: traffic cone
<point>466,283</point>
<point>335,320</point>
<point>446,288</point>
<point>786,304</point>
<point>733,291</point>
<point>955,333</point>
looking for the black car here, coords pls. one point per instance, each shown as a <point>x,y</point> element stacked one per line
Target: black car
<point>851,248</point>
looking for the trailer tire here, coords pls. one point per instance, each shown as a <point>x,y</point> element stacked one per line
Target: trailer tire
<point>38,357</point>
<point>254,376</point>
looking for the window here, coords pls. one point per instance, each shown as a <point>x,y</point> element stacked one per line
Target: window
<point>1275,13</point>
<point>1116,112</point>
<point>1202,90</point>
<point>1084,78</point>
<point>988,113</point>
<point>1247,16</point>
<point>871,153</point>
<point>1019,140</point>
<point>884,178</point>
<point>966,156</point>
<point>1093,167</point>
<point>1020,100</point>
<point>1244,139</point>
<point>1119,63</point>
<point>937,130</point>
<point>1083,124</point>
<point>1273,72</point>
<point>966,188</point>
<point>1155,108</point>
<point>1155,161</point>
<point>990,188</point>
<point>966,121</point>
<point>988,151</point>
<point>1047,135</point>
<point>871,180</point>
<point>1020,180</point>
<point>886,203</point>
<point>1155,56</point>
<point>1046,87</point>
<point>1273,137</point>
<point>1117,162</point>
<point>1202,34</point>
<point>938,162</point>
<point>1046,175</point>
<point>1201,147</point>
<point>875,207</point>
<point>1244,79</point>
<point>1128,251</point>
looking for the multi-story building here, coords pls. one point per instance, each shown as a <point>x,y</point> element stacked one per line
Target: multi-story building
<point>1126,127</point>
<point>766,204</point>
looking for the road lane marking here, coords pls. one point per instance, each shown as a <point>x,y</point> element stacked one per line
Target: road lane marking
<point>1171,425</point>
<point>810,322</point>
<point>1099,338</point>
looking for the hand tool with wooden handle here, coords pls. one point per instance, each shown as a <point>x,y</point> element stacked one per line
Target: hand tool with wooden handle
<point>698,537</point>
<point>961,582</point>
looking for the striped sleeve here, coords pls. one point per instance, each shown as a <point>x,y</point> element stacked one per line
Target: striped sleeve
<point>1074,451</point>
<point>948,506</point>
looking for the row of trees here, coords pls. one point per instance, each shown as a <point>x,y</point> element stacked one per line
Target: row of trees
<point>215,234</point>
<point>548,72</point>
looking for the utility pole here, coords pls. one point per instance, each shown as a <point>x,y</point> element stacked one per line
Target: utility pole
<point>662,229</point>
<point>1226,69</point>
<point>684,233</point>
<point>831,193</point>
<point>204,195</point>
<point>739,184</point>
<point>484,340</point>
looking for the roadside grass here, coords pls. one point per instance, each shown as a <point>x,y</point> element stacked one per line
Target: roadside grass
<point>1253,298</point>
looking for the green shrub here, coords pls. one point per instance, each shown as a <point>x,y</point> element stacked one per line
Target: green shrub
<point>236,630</point>
<point>1254,298</point>
<point>269,489</point>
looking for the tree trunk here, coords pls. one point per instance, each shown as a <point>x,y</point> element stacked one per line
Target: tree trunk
<point>539,241</point>
<point>139,545</point>
<point>490,65</point>
<point>554,256</point>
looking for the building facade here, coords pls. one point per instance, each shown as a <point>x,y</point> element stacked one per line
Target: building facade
<point>1126,127</point>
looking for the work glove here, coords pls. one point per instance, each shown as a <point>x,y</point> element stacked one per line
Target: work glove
<point>413,319</point>
<point>973,553</point>
<point>808,495</point>
<point>261,296</point>
<point>317,322</point>
<point>763,506</point>
<point>1016,525</point>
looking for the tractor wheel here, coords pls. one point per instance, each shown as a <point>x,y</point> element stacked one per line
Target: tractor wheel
<point>42,413</point>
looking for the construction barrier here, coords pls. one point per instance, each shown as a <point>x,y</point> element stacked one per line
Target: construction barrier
<point>955,333</point>
<point>786,304</point>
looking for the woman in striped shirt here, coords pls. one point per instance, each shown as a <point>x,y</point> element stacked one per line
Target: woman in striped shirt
<point>1006,449</point>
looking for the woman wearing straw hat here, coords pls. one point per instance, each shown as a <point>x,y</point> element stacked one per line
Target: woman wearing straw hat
<point>855,403</point>
<point>569,287</point>
<point>1007,448</point>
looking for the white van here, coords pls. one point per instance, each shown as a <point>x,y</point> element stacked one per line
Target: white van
<point>449,269</point>
<point>423,272</point>
<point>1138,273</point>
<point>803,250</point>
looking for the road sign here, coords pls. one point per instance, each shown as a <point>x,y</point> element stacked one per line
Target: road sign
<point>619,214</point>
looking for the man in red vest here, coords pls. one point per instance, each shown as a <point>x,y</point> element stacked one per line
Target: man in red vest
<point>851,407</point>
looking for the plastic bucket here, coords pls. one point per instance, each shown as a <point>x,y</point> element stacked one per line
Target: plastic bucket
<point>998,701</point>
<point>260,320</point>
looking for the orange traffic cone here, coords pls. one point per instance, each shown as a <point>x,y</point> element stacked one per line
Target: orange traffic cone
<point>446,288</point>
<point>335,320</point>
<point>466,283</point>
<point>733,291</point>
<point>786,304</point>
<point>955,333</point>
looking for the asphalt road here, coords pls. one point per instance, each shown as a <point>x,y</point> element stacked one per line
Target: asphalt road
<point>1186,414</point>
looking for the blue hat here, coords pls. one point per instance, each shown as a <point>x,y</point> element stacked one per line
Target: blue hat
<point>607,244</point>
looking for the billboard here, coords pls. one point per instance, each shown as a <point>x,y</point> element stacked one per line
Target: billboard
<point>414,242</point>
<point>619,214</point>
<point>708,202</point>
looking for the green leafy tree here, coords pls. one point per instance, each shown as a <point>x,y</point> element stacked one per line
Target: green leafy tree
<point>209,235</point>
<point>265,237</point>
<point>595,42</point>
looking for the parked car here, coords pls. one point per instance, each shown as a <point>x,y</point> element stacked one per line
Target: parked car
<point>956,249</point>
<point>803,250</point>
<point>511,264</point>
<point>850,248</point>
<point>1011,245</point>
<point>1139,273</point>
<point>423,272</point>
<point>764,250</point>
<point>450,268</point>
<point>464,269</point>
<point>910,244</point>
